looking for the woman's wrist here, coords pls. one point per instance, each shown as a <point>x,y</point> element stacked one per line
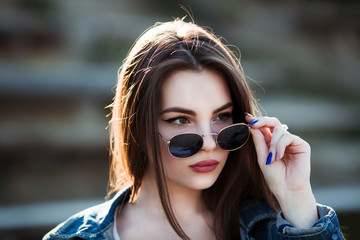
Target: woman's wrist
<point>299,208</point>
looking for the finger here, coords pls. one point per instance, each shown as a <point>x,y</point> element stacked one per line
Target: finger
<point>283,142</point>
<point>278,132</point>
<point>261,146</point>
<point>249,117</point>
<point>266,131</point>
<point>267,135</point>
<point>295,143</point>
<point>285,126</point>
<point>270,122</point>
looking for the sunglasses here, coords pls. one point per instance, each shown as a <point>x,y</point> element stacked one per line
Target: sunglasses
<point>229,138</point>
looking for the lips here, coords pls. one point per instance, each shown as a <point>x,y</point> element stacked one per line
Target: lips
<point>204,166</point>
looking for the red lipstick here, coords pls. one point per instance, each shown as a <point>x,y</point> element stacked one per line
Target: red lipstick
<point>204,166</point>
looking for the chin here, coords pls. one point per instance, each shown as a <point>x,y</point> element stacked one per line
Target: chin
<point>201,182</point>
<point>204,183</point>
<point>203,186</point>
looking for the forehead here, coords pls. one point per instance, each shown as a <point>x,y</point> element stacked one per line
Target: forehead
<point>194,89</point>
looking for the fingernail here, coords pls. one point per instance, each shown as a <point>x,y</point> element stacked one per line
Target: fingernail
<point>253,122</point>
<point>268,161</point>
<point>246,113</point>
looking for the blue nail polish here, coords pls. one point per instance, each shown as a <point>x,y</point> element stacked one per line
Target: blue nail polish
<point>268,161</point>
<point>253,122</point>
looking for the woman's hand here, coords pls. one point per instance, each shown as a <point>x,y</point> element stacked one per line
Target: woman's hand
<point>284,160</point>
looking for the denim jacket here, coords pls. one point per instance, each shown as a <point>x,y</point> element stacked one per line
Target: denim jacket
<point>260,221</point>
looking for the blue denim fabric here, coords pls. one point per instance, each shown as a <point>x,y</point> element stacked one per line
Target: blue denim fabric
<point>259,222</point>
<point>92,223</point>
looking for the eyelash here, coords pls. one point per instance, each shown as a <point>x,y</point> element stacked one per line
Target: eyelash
<point>227,115</point>
<point>172,120</point>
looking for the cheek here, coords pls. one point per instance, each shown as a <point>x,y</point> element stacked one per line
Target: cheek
<point>164,149</point>
<point>222,157</point>
<point>171,164</point>
<point>167,159</point>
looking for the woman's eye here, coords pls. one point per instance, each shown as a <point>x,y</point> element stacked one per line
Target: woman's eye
<point>178,120</point>
<point>224,117</point>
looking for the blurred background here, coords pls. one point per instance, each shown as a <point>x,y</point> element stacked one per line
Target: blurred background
<point>58,65</point>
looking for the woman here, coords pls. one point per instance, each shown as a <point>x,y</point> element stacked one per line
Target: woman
<point>197,164</point>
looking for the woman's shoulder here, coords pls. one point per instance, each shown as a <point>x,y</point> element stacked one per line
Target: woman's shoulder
<point>89,223</point>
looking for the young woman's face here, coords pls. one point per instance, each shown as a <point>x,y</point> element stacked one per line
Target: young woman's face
<point>194,102</point>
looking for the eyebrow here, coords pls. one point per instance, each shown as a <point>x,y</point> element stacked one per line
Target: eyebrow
<point>223,107</point>
<point>191,112</point>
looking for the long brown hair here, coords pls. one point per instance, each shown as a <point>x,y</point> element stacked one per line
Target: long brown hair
<point>161,50</point>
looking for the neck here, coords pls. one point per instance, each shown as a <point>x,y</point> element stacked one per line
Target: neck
<point>185,202</point>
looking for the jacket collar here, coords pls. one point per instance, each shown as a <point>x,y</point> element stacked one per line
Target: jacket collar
<point>93,222</point>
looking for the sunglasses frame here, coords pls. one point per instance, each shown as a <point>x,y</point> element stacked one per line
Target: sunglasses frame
<point>202,136</point>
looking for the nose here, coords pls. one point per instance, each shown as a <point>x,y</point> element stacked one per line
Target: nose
<point>209,142</point>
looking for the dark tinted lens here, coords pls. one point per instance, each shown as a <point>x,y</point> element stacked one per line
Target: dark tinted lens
<point>233,137</point>
<point>185,145</point>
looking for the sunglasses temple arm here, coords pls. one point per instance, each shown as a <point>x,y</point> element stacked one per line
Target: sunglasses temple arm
<point>167,141</point>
